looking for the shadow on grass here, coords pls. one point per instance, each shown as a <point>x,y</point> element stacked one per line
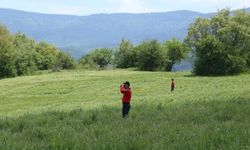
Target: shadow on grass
<point>189,75</point>
<point>199,125</point>
<point>212,76</point>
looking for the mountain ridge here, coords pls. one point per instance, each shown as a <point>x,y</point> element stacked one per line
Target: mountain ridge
<point>81,34</point>
<point>51,14</point>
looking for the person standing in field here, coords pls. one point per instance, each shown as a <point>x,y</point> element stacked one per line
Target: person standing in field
<point>172,85</point>
<point>127,93</point>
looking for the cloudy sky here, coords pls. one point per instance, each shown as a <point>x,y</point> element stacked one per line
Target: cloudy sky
<point>86,7</point>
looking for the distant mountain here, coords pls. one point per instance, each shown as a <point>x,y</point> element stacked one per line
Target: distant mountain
<point>83,33</point>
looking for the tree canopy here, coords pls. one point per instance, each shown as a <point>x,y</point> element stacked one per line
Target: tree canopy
<point>174,51</point>
<point>7,54</point>
<point>20,55</point>
<point>220,44</point>
<point>125,56</point>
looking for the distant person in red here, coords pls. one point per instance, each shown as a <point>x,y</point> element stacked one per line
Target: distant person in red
<point>172,85</point>
<point>126,91</point>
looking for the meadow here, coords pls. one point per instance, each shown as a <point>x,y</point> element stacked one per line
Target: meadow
<point>81,109</point>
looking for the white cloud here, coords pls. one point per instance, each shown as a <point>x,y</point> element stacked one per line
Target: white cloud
<point>65,10</point>
<point>86,7</point>
<point>132,6</point>
<point>138,6</point>
<point>243,4</point>
<point>70,10</point>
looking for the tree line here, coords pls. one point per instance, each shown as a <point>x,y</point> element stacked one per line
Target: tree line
<point>219,45</point>
<point>20,55</point>
<point>149,55</point>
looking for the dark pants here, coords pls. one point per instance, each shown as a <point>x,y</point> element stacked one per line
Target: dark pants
<point>125,109</point>
<point>172,88</point>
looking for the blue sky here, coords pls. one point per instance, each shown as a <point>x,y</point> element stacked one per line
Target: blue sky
<point>86,7</point>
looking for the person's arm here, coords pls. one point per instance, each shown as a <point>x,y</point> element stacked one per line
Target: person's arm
<point>123,90</point>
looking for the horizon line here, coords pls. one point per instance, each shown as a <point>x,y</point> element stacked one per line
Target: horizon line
<point>136,13</point>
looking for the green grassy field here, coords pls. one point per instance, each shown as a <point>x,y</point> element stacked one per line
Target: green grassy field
<point>82,110</point>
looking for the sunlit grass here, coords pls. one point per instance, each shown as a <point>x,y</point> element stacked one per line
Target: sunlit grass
<point>81,110</point>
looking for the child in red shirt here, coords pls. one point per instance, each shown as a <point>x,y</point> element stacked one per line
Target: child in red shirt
<point>126,91</point>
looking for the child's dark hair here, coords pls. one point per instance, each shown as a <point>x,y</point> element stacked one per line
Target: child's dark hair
<point>172,79</point>
<point>127,83</point>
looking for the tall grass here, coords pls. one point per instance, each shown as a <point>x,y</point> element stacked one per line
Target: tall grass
<point>82,110</point>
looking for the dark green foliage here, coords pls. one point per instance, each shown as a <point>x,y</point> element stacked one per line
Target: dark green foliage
<point>149,55</point>
<point>102,57</point>
<point>174,51</point>
<point>47,55</point>
<point>64,61</point>
<point>235,64</point>
<point>221,43</point>
<point>7,54</point>
<point>20,55</point>
<point>209,56</point>
<point>99,58</point>
<point>125,57</point>
<point>86,62</point>
<point>25,53</point>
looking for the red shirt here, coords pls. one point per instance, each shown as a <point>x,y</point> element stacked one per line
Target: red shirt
<point>126,94</point>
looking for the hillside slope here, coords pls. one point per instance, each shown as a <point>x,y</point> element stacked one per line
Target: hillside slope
<point>81,110</point>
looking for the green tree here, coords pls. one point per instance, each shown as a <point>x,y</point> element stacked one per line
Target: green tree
<point>102,57</point>
<point>64,61</point>
<point>150,55</point>
<point>209,50</point>
<point>240,35</point>
<point>125,57</point>
<point>26,54</point>
<point>7,54</point>
<point>47,55</point>
<point>86,62</point>
<point>220,44</point>
<point>174,52</point>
